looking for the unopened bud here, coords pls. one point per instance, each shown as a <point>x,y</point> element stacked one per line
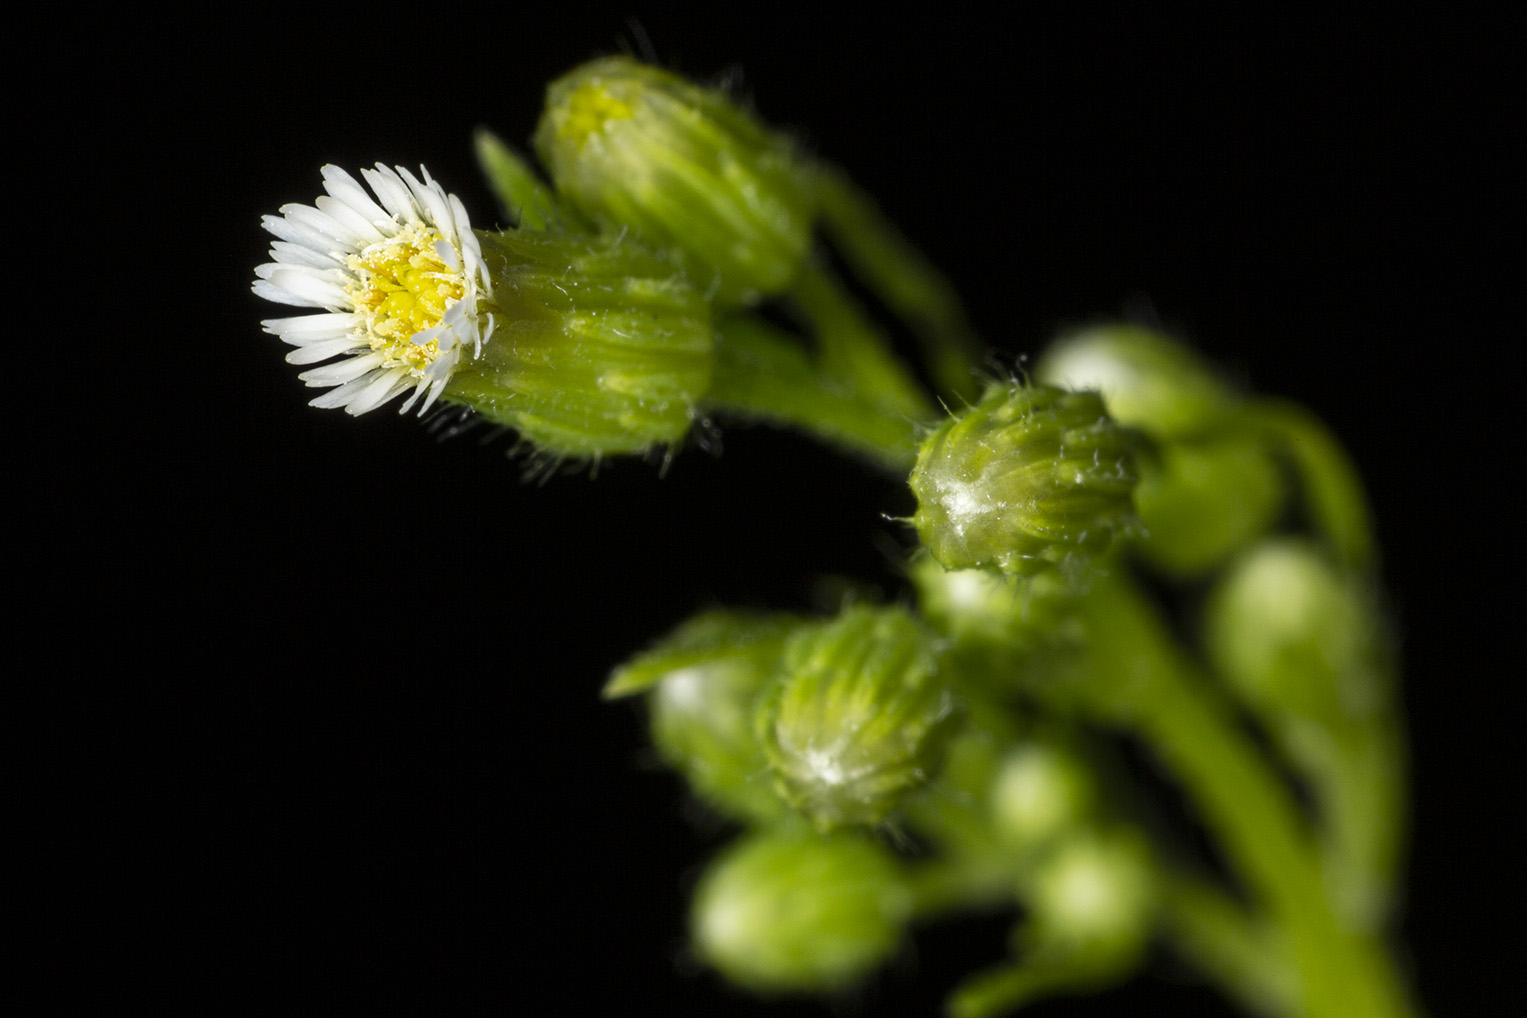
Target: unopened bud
<point>793,911</point>
<point>1095,892</point>
<point>1149,382</point>
<point>1041,792</point>
<point>858,718</point>
<point>1297,636</point>
<point>1200,502</point>
<point>636,147</point>
<point>1028,477</point>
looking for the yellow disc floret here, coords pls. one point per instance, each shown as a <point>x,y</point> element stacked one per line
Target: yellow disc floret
<point>403,287</point>
<point>588,109</point>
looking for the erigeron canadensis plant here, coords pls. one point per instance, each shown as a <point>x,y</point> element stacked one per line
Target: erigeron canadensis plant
<point>624,306</point>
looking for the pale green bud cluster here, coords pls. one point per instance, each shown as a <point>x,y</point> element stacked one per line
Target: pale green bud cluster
<point>636,147</point>
<point>1028,477</point>
<point>797,911</point>
<point>599,347</point>
<point>859,717</point>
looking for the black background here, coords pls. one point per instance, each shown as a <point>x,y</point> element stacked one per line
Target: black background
<point>326,734</point>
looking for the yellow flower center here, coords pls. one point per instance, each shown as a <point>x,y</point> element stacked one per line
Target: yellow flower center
<point>403,286</point>
<point>588,110</point>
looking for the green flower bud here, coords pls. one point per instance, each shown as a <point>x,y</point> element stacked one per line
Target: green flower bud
<point>792,911</point>
<point>858,718</point>
<point>1297,637</point>
<point>1149,381</point>
<point>635,147</point>
<point>1028,477</point>
<point>702,684</point>
<point>1202,501</point>
<point>1041,792</point>
<point>983,610</point>
<point>597,346</point>
<point>1094,892</point>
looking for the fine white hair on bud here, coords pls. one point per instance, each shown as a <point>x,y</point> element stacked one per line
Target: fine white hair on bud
<point>399,278</point>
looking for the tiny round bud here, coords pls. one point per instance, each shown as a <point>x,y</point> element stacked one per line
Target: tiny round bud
<point>1297,636</point>
<point>1026,478</point>
<point>702,684</point>
<point>599,346</point>
<point>1148,381</point>
<point>983,610</point>
<point>636,147</point>
<point>1202,501</point>
<point>1095,891</point>
<point>1041,792</point>
<point>858,718</point>
<point>784,911</point>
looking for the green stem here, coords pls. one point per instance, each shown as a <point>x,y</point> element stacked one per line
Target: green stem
<point>853,351</point>
<point>1332,489</point>
<point>1004,989</point>
<point>761,373</point>
<point>1214,932</point>
<point>908,283</point>
<point>1146,684</point>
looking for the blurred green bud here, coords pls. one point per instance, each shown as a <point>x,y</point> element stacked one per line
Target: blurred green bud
<point>1202,501</point>
<point>791,911</point>
<point>636,147</point>
<point>1095,892</point>
<point>1149,381</point>
<point>1296,636</point>
<point>858,718</point>
<point>1041,792</point>
<point>1028,477</point>
<point>980,609</point>
<point>598,345</point>
<point>702,684</point>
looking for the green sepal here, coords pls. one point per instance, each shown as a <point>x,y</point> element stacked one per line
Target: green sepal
<point>599,345</point>
<point>794,911</point>
<point>527,202</point>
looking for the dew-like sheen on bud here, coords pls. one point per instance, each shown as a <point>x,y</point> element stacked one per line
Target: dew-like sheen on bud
<point>1026,478</point>
<point>858,718</point>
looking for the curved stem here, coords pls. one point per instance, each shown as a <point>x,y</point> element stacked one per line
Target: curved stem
<point>1144,683</point>
<point>1332,489</point>
<point>761,373</point>
<point>852,350</point>
<point>908,283</point>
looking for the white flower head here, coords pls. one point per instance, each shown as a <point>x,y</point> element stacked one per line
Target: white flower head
<point>400,283</point>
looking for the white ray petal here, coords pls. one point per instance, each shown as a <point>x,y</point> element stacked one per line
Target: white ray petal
<point>352,220</point>
<point>310,328</point>
<point>312,353</point>
<point>325,224</point>
<point>343,371</point>
<point>348,190</point>
<point>378,392</point>
<point>392,193</point>
<point>318,293</point>
<point>287,253</point>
